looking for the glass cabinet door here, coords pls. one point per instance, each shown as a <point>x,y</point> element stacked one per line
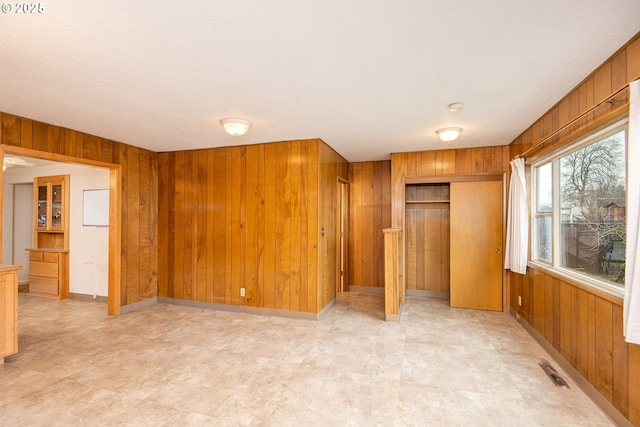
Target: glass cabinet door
<point>56,206</point>
<point>43,214</point>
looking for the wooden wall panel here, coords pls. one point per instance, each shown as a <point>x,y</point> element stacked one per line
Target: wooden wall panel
<point>427,243</point>
<point>370,213</point>
<point>446,163</point>
<point>331,168</point>
<point>587,328</point>
<point>139,251</point>
<point>247,217</point>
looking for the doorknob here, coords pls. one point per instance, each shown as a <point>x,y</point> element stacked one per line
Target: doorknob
<point>497,250</point>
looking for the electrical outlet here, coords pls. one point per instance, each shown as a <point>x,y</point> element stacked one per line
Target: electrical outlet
<point>241,292</point>
<point>519,300</point>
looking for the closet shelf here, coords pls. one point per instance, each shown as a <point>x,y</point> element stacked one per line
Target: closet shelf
<point>409,202</point>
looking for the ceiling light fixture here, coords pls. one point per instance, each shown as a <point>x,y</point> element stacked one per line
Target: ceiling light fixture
<point>235,127</point>
<point>456,106</point>
<point>448,134</point>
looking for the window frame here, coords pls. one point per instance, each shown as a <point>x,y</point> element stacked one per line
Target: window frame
<point>554,158</point>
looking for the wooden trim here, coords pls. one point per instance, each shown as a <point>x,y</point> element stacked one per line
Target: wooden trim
<point>115,234</point>
<point>1,196</point>
<point>577,283</point>
<point>584,132</point>
<point>45,155</point>
<point>576,119</point>
<point>422,179</point>
<point>115,239</point>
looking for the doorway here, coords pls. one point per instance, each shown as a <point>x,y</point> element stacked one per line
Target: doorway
<point>453,239</point>
<point>113,265</point>
<point>343,200</point>
<point>427,235</point>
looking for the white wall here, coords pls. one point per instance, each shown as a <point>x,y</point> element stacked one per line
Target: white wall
<point>7,224</point>
<point>88,246</point>
<point>22,228</point>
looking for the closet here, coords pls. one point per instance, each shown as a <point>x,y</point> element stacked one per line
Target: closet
<point>454,241</point>
<point>427,213</point>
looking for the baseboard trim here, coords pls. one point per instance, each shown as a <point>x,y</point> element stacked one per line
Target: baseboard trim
<point>323,313</point>
<point>395,317</point>
<point>86,297</point>
<point>366,289</point>
<point>593,394</point>
<point>129,308</point>
<point>428,294</point>
<point>202,305</point>
<point>248,309</point>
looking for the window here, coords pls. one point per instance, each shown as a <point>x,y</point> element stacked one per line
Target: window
<point>579,208</point>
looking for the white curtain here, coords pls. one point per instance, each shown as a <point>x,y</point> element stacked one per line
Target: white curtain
<point>517,220</point>
<point>632,269</point>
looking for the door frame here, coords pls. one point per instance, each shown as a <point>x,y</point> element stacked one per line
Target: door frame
<point>342,233</point>
<point>444,179</point>
<point>115,200</point>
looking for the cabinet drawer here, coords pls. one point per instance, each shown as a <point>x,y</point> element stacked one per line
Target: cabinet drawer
<point>43,269</point>
<point>36,256</point>
<point>49,257</point>
<point>42,285</point>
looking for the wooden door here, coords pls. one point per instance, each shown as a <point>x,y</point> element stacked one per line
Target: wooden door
<point>476,245</point>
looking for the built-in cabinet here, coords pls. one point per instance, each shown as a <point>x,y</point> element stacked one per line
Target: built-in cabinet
<point>49,257</point>
<point>8,310</point>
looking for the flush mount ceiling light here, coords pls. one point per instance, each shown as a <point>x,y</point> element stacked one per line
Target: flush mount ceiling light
<point>456,106</point>
<point>448,134</point>
<point>235,127</point>
<point>15,161</point>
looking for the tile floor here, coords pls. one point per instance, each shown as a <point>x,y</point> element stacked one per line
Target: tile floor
<point>172,366</point>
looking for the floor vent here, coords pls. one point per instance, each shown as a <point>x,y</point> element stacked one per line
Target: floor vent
<point>553,374</point>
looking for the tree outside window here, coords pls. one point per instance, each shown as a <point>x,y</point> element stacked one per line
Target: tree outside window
<point>592,209</point>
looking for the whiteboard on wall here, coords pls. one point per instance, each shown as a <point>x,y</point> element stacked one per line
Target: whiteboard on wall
<point>95,208</point>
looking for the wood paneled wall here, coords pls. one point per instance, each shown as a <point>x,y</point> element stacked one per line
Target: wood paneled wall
<point>332,167</point>
<point>427,236</point>
<point>441,163</point>
<point>248,216</point>
<point>585,326</point>
<point>139,221</point>
<point>617,71</point>
<point>369,214</point>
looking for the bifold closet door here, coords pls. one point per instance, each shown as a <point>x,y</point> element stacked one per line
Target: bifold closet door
<point>476,245</point>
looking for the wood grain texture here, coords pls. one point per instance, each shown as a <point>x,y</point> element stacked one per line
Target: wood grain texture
<point>478,248</point>
<point>331,168</point>
<point>248,217</point>
<point>634,384</point>
<point>445,163</point>
<point>9,312</point>
<point>587,331</point>
<point>11,127</point>
<point>370,213</point>
<point>587,327</point>
<point>427,237</point>
<point>621,68</point>
<point>134,203</point>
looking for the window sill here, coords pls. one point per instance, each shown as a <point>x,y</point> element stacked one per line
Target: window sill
<point>611,293</point>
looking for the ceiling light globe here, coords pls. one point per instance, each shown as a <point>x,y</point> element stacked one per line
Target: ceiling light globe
<point>448,134</point>
<point>235,127</point>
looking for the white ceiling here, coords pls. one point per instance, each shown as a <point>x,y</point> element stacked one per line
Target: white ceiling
<point>368,77</point>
